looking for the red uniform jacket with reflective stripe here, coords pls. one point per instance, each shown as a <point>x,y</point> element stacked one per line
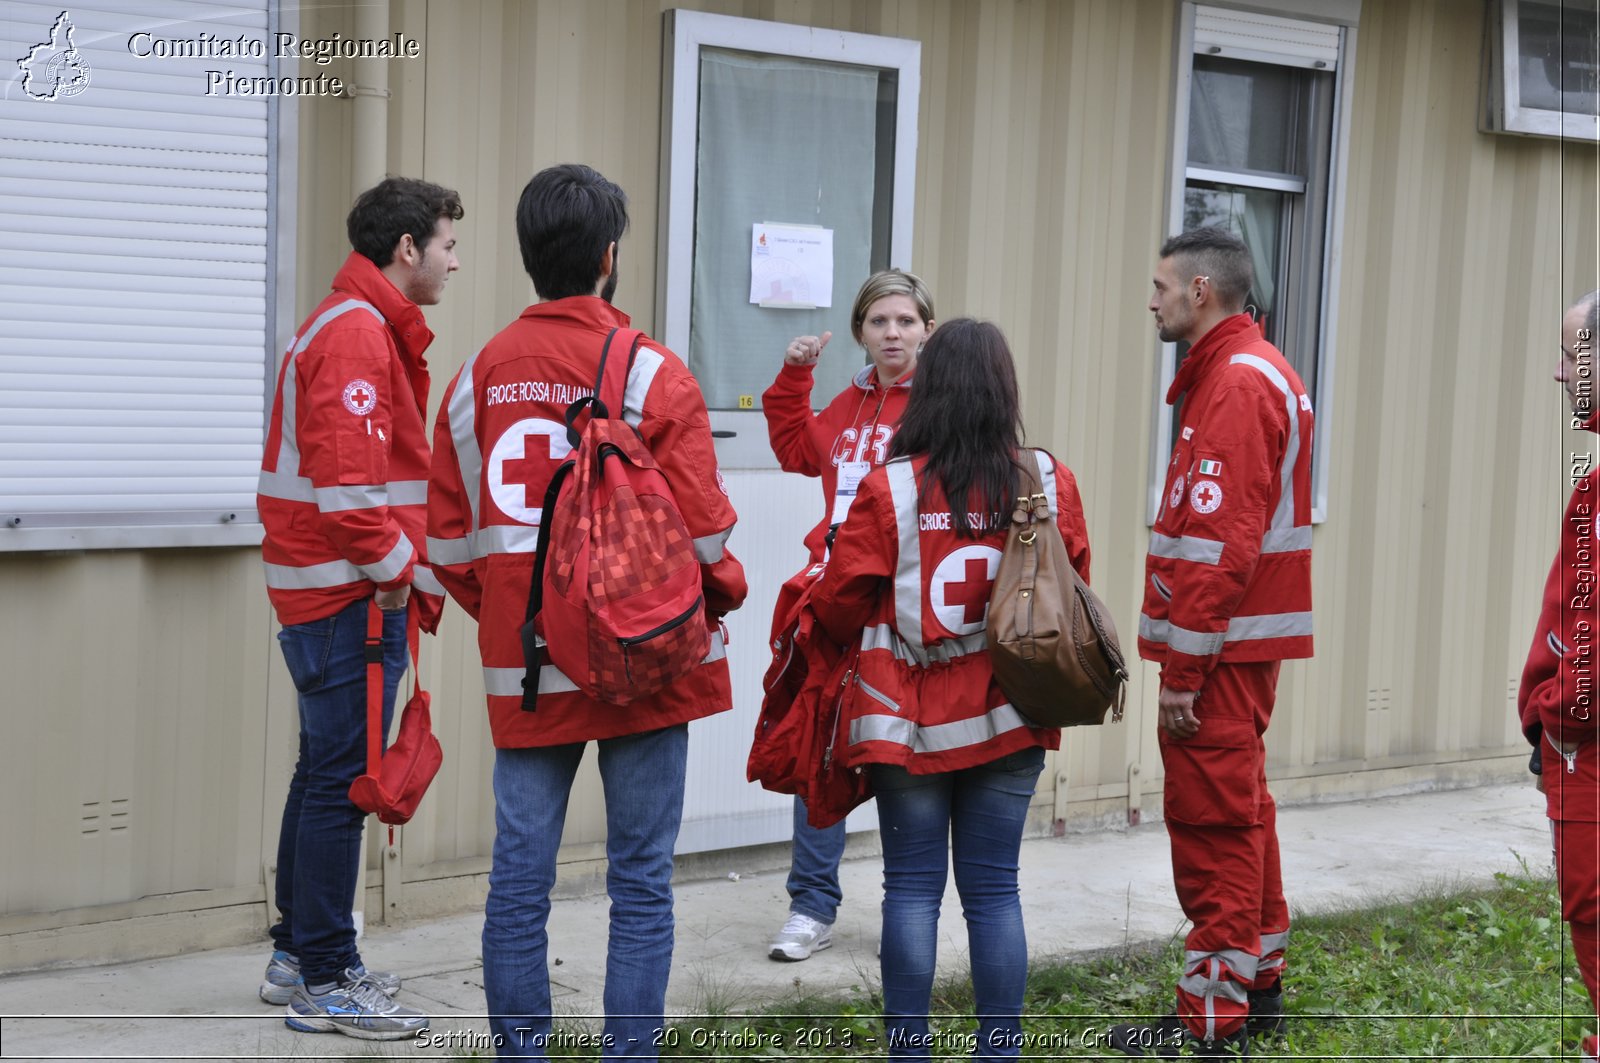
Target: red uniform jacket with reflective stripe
<point>498,440</point>
<point>1228,577</point>
<point>858,425</point>
<point>915,595</point>
<point>343,487</point>
<point>1557,698</point>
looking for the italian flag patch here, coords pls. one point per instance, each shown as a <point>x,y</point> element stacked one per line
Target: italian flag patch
<point>1210,468</point>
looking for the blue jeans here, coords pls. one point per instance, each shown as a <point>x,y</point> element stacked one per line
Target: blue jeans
<point>643,776</point>
<point>976,815</point>
<point>814,867</point>
<point>319,841</point>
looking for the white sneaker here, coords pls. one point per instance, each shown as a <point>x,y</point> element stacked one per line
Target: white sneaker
<point>800,937</point>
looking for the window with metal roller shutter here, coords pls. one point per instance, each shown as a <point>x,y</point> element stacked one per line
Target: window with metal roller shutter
<point>137,225</point>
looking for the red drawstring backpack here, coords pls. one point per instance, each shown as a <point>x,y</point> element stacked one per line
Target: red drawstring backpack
<point>396,778</point>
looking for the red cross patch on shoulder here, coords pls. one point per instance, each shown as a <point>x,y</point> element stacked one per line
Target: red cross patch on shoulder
<point>1205,496</point>
<point>360,397</point>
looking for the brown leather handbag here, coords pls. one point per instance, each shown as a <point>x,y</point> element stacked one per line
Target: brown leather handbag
<point>1052,643</point>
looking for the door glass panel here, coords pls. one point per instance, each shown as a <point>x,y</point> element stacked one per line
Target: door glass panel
<point>783,140</point>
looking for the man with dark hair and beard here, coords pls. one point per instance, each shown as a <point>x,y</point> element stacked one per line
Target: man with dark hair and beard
<point>500,437</point>
<point>1227,599</point>
<point>1556,698</point>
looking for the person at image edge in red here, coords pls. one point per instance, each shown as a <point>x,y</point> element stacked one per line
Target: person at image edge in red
<point>891,318</point>
<point>1227,598</point>
<point>1556,700</point>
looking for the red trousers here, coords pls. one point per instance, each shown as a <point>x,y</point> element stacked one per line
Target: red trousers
<point>1222,823</point>
<point>1572,796</point>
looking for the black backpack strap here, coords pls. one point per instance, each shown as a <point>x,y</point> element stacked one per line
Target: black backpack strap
<point>613,387</point>
<point>532,652</point>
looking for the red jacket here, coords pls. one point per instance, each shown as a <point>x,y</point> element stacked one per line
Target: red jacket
<point>498,440</point>
<point>344,479</point>
<point>857,426</point>
<point>1557,696</point>
<point>924,692</point>
<point>1228,576</point>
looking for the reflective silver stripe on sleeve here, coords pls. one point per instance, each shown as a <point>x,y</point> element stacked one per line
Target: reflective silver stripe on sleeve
<point>1269,626</point>
<point>392,564</point>
<point>1186,548</point>
<point>449,551</point>
<point>1240,629</point>
<point>291,487</point>
<point>1194,643</point>
<point>1283,516</point>
<point>311,577</point>
<point>1047,478</point>
<point>463,434</point>
<point>645,366</point>
<point>423,579</point>
<point>883,637</point>
<point>346,497</point>
<point>908,566</point>
<point>940,738</point>
<point>708,549</point>
<point>507,682</point>
<point>1286,540</point>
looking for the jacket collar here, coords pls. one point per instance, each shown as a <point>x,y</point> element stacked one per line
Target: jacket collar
<point>581,311</point>
<point>1230,332</point>
<point>360,278</point>
<point>867,379</point>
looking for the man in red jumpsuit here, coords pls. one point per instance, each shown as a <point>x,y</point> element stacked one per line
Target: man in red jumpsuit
<point>1227,598</point>
<point>1556,700</point>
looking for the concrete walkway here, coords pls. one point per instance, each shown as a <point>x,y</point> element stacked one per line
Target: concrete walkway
<point>1080,893</point>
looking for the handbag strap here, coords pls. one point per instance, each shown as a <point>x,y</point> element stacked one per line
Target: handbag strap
<point>374,656</point>
<point>374,648</point>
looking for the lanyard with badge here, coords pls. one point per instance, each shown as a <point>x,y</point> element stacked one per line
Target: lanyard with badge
<point>851,473</point>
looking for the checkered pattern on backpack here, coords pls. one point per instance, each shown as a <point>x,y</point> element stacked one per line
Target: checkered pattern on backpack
<point>622,575</point>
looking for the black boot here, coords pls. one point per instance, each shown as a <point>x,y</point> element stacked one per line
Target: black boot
<point>1266,1013</point>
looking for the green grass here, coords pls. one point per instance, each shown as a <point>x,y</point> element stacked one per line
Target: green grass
<point>1482,975</point>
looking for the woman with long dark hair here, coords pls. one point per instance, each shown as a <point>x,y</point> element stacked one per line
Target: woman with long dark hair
<point>891,318</point>
<point>952,763</point>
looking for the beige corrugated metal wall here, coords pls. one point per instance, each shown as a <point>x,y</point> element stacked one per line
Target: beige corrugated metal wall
<point>151,693</point>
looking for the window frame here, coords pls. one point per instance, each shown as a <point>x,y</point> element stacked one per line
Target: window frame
<point>1503,109</point>
<point>157,529</point>
<point>742,442</point>
<point>1342,14</point>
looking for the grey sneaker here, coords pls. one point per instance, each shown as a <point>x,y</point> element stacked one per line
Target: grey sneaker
<point>799,938</point>
<point>356,1009</point>
<point>283,975</point>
